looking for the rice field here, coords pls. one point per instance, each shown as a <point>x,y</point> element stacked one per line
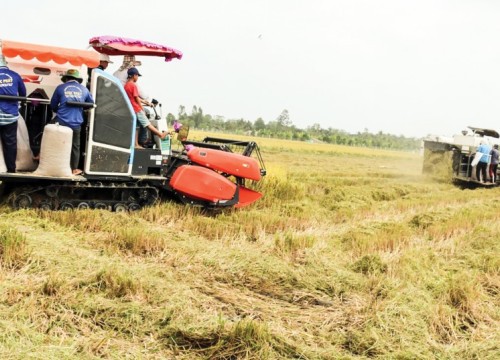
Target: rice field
<point>350,254</point>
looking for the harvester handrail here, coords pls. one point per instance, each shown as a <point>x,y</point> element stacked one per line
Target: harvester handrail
<point>85,105</point>
<point>227,141</point>
<point>206,145</point>
<point>24,99</point>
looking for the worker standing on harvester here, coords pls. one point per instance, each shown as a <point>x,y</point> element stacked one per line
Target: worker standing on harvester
<point>128,63</point>
<point>69,115</point>
<point>104,61</point>
<point>481,166</point>
<point>133,95</point>
<point>11,84</point>
<point>494,163</point>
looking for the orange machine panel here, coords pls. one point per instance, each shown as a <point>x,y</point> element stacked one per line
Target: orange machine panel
<point>226,162</point>
<point>202,183</point>
<point>247,197</point>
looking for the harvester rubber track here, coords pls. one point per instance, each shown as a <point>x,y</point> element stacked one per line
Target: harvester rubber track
<point>97,195</point>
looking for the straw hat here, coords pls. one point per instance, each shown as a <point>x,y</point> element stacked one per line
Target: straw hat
<point>72,73</point>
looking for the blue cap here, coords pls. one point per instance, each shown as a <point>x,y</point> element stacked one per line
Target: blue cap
<point>133,71</point>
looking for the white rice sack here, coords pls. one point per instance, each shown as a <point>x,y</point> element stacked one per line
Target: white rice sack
<point>55,151</point>
<point>24,158</point>
<point>3,167</point>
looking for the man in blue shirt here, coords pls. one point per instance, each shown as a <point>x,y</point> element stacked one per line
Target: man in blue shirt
<point>481,166</point>
<point>11,84</point>
<point>70,115</point>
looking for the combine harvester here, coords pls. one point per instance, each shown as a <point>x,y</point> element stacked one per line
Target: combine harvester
<point>211,173</point>
<point>457,155</point>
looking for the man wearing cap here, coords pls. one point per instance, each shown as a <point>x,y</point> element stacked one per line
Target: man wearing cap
<point>11,84</point>
<point>104,61</point>
<point>70,115</point>
<point>128,63</point>
<point>133,95</point>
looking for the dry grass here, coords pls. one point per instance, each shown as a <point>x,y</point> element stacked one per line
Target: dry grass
<point>14,252</point>
<point>351,254</point>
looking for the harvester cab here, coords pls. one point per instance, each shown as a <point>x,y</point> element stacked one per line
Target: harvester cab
<point>116,175</point>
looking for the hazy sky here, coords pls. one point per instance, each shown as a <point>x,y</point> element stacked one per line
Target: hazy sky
<point>405,67</point>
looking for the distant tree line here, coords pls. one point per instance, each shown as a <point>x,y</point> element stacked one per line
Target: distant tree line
<point>282,128</point>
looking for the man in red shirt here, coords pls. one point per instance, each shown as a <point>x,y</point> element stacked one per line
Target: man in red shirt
<point>133,94</point>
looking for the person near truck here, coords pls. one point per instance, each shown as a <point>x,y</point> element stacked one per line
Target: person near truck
<point>70,115</point>
<point>494,163</point>
<point>481,166</point>
<point>11,84</point>
<point>133,95</point>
